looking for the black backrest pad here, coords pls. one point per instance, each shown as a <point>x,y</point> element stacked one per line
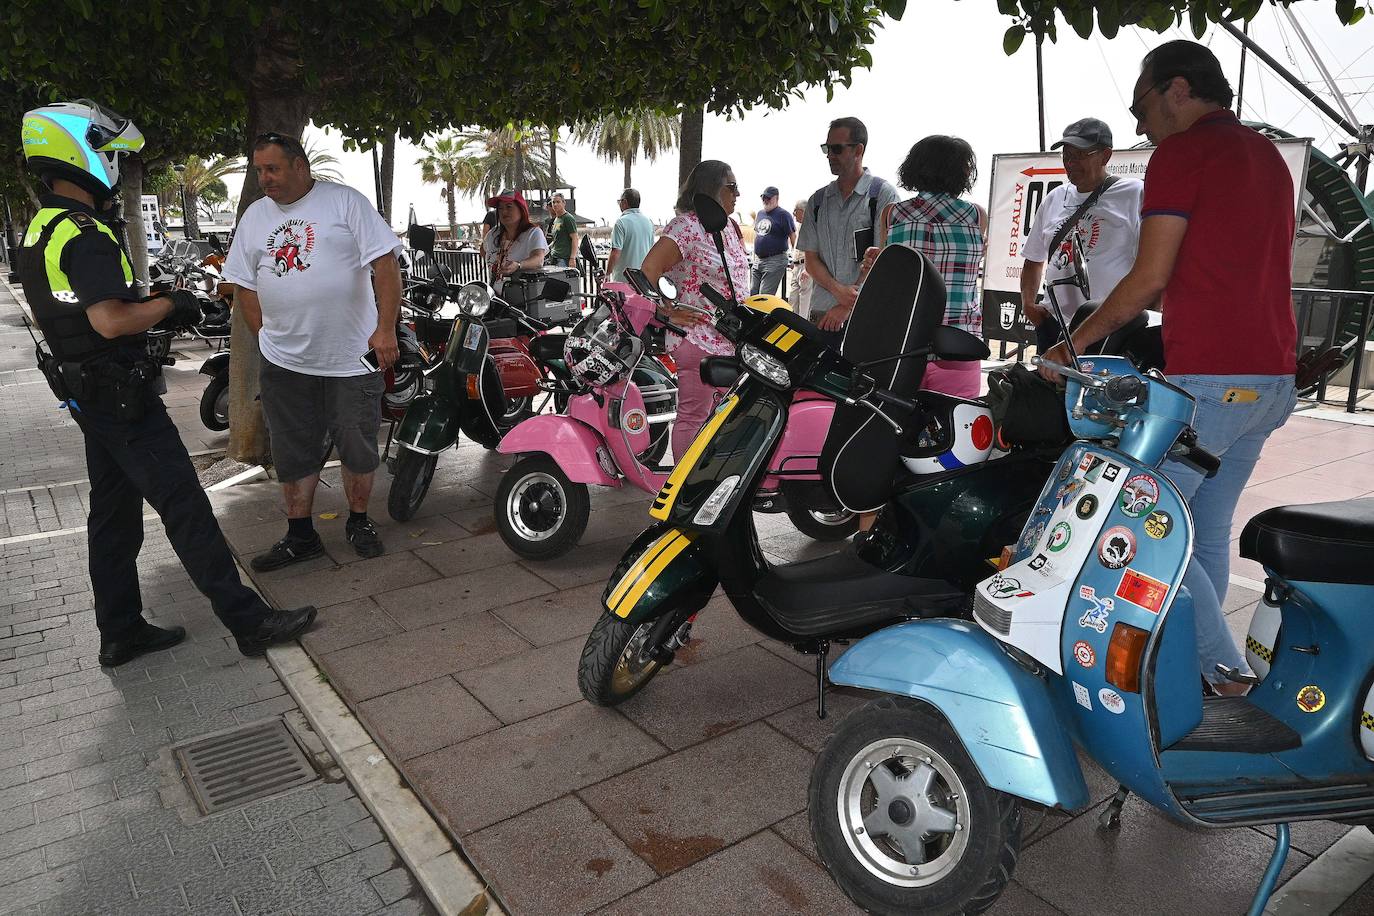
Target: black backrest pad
<point>899,307</point>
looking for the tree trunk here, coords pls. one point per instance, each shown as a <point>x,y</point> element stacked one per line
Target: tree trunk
<point>519,166</point>
<point>553,159</point>
<point>629,161</point>
<point>452,212</point>
<point>136,241</point>
<point>190,219</point>
<point>272,77</point>
<point>689,148</point>
<point>388,175</point>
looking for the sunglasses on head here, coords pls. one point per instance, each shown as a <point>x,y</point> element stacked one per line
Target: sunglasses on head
<point>274,137</point>
<point>834,149</point>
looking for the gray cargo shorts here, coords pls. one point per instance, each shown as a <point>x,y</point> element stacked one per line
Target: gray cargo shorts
<point>308,414</point>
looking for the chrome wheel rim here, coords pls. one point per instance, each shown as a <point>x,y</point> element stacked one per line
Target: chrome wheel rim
<point>831,519</point>
<point>537,507</point>
<point>633,667</point>
<point>904,812</point>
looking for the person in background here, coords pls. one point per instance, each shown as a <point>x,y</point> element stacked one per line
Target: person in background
<point>318,281</point>
<point>631,238</point>
<point>798,280</point>
<point>774,233</point>
<point>1109,228</point>
<point>952,232</point>
<point>515,243</point>
<point>562,232</point>
<point>840,226</point>
<point>686,254</point>
<point>1216,244</point>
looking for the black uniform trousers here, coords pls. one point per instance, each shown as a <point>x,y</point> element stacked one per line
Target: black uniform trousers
<point>129,462</point>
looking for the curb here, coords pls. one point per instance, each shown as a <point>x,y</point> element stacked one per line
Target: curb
<point>1329,880</point>
<point>450,883</point>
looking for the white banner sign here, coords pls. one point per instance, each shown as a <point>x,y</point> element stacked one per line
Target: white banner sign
<point>1021,181</point>
<point>153,229</point>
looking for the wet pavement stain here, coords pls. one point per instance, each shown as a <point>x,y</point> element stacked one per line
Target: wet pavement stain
<point>599,867</point>
<point>785,888</point>
<point>720,728</point>
<point>669,853</point>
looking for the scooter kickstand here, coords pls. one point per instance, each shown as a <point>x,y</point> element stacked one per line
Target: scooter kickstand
<point>1110,818</point>
<point>821,652</point>
<point>1271,874</point>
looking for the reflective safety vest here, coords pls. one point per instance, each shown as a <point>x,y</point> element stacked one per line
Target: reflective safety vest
<point>43,262</point>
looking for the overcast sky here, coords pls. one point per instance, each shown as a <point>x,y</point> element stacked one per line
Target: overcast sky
<point>941,70</point>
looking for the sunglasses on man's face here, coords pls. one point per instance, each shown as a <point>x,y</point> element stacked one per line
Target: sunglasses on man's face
<point>1135,109</point>
<point>834,149</point>
<point>732,187</point>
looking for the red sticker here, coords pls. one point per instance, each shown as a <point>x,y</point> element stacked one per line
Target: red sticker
<point>982,433</point>
<point>1084,654</point>
<point>1142,590</point>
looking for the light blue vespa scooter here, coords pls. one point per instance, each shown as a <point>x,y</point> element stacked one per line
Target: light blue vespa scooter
<point>1088,638</point>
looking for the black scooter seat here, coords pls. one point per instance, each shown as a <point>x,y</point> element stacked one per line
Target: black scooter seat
<point>1324,542</point>
<point>842,595</point>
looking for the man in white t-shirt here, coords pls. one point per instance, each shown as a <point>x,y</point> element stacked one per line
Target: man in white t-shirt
<point>1109,230</point>
<point>319,283</point>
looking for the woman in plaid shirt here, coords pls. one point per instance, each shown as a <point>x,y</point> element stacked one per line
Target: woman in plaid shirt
<point>951,232</point>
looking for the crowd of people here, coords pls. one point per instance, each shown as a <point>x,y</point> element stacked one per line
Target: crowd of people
<point>1206,237</point>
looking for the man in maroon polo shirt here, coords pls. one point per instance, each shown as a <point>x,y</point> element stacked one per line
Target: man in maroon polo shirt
<point>1216,242</point>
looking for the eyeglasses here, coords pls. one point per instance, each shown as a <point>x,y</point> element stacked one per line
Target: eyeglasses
<point>1076,155</point>
<point>274,137</point>
<point>834,149</point>
<point>1134,107</point>
<point>732,187</point>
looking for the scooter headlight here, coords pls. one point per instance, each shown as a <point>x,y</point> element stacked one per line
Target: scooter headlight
<point>765,366</point>
<point>711,509</point>
<point>474,299</point>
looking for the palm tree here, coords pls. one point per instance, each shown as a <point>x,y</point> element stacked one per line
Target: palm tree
<point>446,161</point>
<point>194,176</point>
<point>625,138</point>
<point>513,156</point>
<point>321,162</point>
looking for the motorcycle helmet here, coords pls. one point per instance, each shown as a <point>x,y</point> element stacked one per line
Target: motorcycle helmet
<point>766,303</point>
<point>599,352</point>
<point>80,141</point>
<point>957,432</point>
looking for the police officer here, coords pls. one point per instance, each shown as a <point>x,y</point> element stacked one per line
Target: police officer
<point>80,286</point>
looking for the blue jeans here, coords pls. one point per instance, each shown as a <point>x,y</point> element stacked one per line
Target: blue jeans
<point>768,274</point>
<point>1235,415</point>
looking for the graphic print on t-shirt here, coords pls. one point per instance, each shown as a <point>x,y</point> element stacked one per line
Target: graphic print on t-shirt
<point>1089,232</point>
<point>290,244</point>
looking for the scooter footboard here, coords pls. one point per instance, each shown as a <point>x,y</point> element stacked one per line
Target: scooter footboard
<point>665,569</point>
<point>1003,713</point>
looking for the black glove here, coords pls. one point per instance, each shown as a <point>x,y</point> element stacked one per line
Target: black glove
<point>186,311</point>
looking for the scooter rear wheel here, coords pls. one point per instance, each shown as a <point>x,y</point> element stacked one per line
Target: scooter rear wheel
<point>414,472</point>
<point>902,819</point>
<point>821,524</point>
<point>540,513</point>
<point>214,403</point>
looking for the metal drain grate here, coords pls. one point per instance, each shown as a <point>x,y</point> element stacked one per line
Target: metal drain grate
<point>236,767</point>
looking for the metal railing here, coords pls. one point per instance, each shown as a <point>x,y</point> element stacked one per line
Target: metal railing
<point>1342,320</point>
<point>468,266</point>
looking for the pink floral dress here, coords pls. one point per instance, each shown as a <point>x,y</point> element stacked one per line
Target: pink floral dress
<point>701,264</point>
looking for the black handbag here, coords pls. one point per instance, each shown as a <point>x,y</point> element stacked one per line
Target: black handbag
<point>1027,410</point>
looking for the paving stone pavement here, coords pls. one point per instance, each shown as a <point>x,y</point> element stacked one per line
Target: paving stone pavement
<point>95,817</point>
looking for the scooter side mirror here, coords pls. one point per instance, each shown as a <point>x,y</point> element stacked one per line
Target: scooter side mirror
<point>421,238</point>
<point>957,344</point>
<point>710,212</point>
<point>216,245</point>
<point>720,371</point>
<point>586,249</point>
<point>667,289</point>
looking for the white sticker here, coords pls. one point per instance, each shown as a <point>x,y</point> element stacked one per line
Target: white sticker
<point>1080,694</point>
<point>1110,700</point>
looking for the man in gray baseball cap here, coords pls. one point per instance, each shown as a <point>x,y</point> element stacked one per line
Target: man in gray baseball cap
<point>1104,209</point>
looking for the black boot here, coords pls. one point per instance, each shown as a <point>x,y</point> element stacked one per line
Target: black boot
<point>276,627</point>
<point>139,640</point>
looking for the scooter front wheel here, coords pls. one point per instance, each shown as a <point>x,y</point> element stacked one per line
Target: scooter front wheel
<point>902,819</point>
<point>214,403</point>
<point>540,513</point>
<point>414,471</point>
<point>620,658</point>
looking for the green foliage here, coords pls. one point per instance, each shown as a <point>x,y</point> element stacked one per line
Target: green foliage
<point>624,138</point>
<point>1038,17</point>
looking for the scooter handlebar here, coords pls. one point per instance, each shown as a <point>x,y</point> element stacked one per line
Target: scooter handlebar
<point>1195,456</point>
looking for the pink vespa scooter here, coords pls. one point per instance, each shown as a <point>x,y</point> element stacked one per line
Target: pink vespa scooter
<point>543,503</point>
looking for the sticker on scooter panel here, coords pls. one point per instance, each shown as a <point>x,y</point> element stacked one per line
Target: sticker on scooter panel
<point>1142,591</point>
<point>634,421</point>
<point>1117,547</point>
<point>1084,654</point>
<point>1158,524</point>
<point>1111,471</point>
<point>1086,507</point>
<point>1139,495</point>
<point>1080,693</point>
<point>1067,491</point>
<point>1095,617</point>
<point>1039,561</point>
<point>1060,535</point>
<point>1001,586</point>
<point>1111,701</point>
<point>473,337</point>
<point>1311,698</point>
<point>1031,537</point>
